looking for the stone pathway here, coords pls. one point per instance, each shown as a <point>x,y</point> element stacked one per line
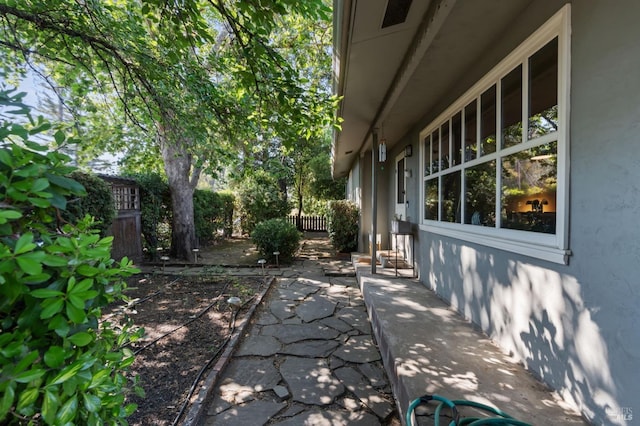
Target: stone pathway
<point>308,356</point>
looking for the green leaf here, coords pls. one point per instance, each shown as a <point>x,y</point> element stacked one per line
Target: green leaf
<point>29,266</point>
<point>87,270</point>
<point>39,185</point>
<point>26,399</point>
<point>60,325</point>
<point>10,214</point>
<point>50,307</point>
<point>81,339</point>
<point>54,357</point>
<point>24,244</point>
<point>66,373</point>
<point>59,136</point>
<point>45,293</point>
<point>50,406</point>
<point>91,402</point>
<point>68,411</point>
<point>55,260</point>
<point>75,314</point>
<point>6,157</point>
<point>7,400</point>
<point>29,375</point>
<point>25,362</point>
<point>42,203</point>
<point>66,183</point>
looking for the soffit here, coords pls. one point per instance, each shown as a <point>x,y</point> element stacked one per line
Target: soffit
<point>395,76</point>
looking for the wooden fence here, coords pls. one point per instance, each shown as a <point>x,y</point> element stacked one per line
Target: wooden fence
<point>309,223</point>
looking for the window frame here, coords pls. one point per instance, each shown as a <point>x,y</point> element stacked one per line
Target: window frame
<point>549,247</point>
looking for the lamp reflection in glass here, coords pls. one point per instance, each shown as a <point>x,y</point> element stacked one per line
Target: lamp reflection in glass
<point>537,205</point>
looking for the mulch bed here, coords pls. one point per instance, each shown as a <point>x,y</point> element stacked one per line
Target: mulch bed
<point>187,321</point>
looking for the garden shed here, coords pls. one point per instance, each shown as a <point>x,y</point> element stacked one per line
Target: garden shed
<point>126,228</point>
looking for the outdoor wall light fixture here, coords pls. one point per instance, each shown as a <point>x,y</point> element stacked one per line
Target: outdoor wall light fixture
<point>408,150</point>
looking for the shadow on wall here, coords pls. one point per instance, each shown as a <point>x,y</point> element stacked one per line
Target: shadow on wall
<point>538,316</point>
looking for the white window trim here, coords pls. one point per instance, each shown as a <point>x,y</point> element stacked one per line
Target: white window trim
<point>552,248</point>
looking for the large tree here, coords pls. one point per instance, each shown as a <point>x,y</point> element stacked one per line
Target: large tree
<point>193,80</point>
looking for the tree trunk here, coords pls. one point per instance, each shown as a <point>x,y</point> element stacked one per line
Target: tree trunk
<point>177,165</point>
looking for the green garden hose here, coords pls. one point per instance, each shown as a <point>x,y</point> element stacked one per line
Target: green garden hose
<point>501,418</point>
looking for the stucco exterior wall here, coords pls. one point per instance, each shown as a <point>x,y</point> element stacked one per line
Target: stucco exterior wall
<point>576,326</point>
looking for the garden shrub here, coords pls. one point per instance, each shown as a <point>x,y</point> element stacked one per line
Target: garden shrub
<point>58,363</point>
<point>343,219</point>
<point>260,199</point>
<point>213,212</point>
<point>276,235</point>
<point>97,203</point>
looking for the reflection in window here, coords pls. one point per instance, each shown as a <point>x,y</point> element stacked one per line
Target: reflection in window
<point>488,121</point>
<point>511,94</point>
<point>435,152</point>
<point>543,91</point>
<point>444,145</point>
<point>431,199</point>
<point>456,139</point>
<point>470,135</point>
<point>529,182</point>
<point>451,200</point>
<point>427,155</point>
<point>480,197</point>
<point>500,132</point>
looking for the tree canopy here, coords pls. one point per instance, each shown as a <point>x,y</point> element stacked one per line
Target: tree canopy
<point>197,82</point>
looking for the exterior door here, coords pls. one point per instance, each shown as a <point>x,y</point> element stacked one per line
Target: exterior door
<point>401,187</point>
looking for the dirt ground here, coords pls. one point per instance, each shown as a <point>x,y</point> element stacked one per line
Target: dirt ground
<point>187,320</point>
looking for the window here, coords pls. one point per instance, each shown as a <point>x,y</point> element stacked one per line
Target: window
<point>495,161</point>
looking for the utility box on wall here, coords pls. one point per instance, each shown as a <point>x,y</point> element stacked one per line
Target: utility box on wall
<point>126,228</point>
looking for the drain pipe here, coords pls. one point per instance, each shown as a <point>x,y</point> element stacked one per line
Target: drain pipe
<point>374,200</point>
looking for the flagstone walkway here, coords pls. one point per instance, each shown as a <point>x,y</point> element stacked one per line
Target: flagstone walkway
<point>308,357</point>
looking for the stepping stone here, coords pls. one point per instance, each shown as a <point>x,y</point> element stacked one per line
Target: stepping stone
<point>314,308</point>
<point>296,292</point>
<point>290,333</point>
<point>255,375</point>
<point>337,324</point>
<point>281,309</point>
<point>375,373</point>
<point>259,346</point>
<point>359,349</point>
<point>266,318</point>
<point>333,417</point>
<point>359,385</point>
<point>246,414</point>
<point>310,381</point>
<point>356,317</point>
<point>311,348</point>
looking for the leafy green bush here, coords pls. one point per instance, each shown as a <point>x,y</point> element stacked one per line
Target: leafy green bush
<point>97,203</point>
<point>58,363</point>
<point>343,219</point>
<point>213,212</point>
<point>260,199</point>
<point>276,235</point>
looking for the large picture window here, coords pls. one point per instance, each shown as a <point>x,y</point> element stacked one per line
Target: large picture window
<point>494,164</point>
